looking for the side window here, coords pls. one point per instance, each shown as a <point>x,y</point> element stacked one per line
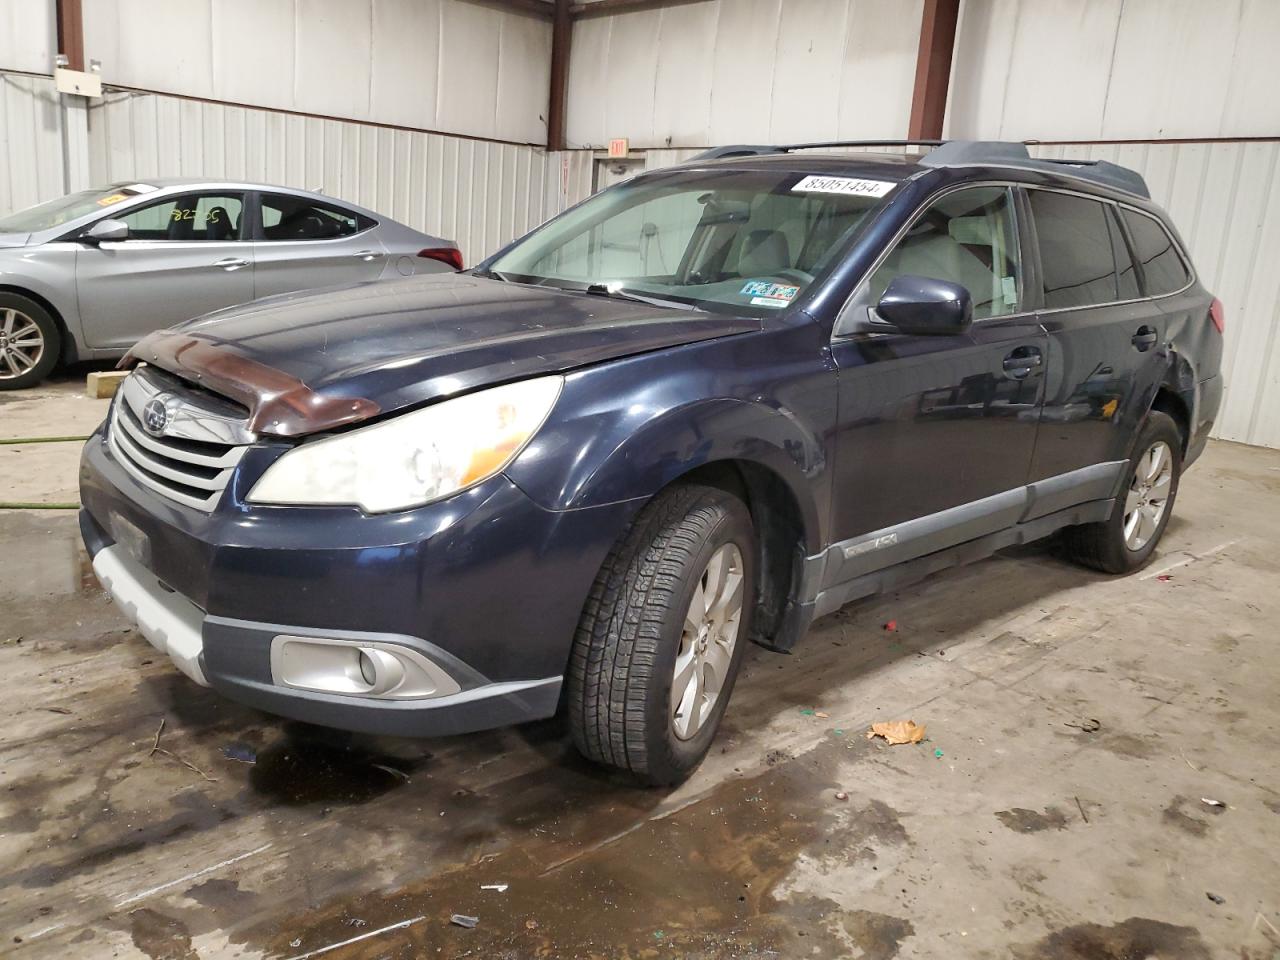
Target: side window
<point>1162,265</point>
<point>1125,271</point>
<point>192,217</point>
<point>1076,259</point>
<point>966,237</point>
<point>298,218</point>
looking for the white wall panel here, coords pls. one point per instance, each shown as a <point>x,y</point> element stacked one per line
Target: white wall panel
<point>27,36</point>
<point>480,193</point>
<point>31,158</point>
<point>1115,69</point>
<point>744,71</point>
<point>450,65</point>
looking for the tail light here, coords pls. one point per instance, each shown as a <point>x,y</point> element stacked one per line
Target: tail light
<point>450,255</point>
<point>1216,315</point>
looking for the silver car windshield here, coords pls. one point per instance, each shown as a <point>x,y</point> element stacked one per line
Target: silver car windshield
<point>728,241</point>
<point>54,213</point>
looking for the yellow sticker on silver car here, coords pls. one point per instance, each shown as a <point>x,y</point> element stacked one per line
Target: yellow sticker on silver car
<point>850,186</point>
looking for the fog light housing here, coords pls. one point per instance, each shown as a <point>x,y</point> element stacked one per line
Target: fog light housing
<point>357,668</point>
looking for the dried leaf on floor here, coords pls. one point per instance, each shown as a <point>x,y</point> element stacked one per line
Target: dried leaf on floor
<point>897,731</point>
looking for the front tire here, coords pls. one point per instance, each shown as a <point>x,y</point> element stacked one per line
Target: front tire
<point>662,635</point>
<point>29,342</point>
<point>1126,540</point>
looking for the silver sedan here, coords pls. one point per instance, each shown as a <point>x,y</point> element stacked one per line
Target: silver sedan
<point>88,275</point>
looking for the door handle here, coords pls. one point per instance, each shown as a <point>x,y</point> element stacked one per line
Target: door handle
<point>1145,338</point>
<point>367,255</point>
<point>1021,362</point>
<point>231,263</point>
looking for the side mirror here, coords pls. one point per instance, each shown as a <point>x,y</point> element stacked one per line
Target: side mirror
<point>923,306</point>
<point>107,230</point>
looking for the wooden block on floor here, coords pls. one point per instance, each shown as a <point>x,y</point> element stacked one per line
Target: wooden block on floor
<point>101,385</point>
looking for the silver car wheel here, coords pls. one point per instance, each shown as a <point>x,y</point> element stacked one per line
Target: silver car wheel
<point>1148,497</point>
<point>707,642</point>
<point>21,344</point>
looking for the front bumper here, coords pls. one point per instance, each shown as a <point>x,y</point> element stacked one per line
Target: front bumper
<point>486,586</point>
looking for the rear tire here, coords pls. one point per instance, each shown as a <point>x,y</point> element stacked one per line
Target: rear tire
<point>1126,540</point>
<point>662,635</point>
<point>30,342</point>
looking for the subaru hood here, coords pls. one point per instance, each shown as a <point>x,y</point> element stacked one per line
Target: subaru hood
<point>303,363</point>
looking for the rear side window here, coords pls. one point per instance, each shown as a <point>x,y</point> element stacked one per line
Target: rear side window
<point>1076,257</point>
<point>298,218</point>
<point>1162,265</point>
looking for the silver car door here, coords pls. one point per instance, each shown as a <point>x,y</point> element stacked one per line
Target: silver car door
<point>183,258</point>
<point>304,243</point>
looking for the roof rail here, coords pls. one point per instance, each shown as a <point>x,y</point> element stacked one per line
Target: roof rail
<point>961,153</point>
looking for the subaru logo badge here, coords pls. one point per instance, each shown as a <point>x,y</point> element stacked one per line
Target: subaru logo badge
<point>155,416</point>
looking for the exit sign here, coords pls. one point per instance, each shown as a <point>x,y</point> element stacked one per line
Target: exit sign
<point>619,147</point>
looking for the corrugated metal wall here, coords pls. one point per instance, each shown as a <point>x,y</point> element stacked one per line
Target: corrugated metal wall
<point>1115,70</point>
<point>454,66</point>
<point>744,71</point>
<point>480,193</point>
<point>31,158</point>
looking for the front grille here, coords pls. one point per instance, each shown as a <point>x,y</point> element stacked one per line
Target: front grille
<point>193,456</point>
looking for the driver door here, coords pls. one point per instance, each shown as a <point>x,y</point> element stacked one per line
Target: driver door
<point>935,434</point>
<point>184,258</point>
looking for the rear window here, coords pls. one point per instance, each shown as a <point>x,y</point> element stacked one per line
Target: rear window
<point>298,218</point>
<point>1162,265</point>
<point>1076,256</point>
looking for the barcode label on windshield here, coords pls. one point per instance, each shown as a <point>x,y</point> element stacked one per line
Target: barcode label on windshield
<point>846,185</point>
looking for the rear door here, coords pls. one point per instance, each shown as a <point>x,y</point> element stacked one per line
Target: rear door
<point>303,243</point>
<point>936,433</point>
<point>184,257</point>
<point>1106,354</point>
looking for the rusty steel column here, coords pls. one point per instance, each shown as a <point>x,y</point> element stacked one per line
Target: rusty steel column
<point>70,23</point>
<point>933,69</point>
<point>561,37</point>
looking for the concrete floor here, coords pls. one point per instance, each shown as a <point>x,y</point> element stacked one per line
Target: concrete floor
<point>1012,831</point>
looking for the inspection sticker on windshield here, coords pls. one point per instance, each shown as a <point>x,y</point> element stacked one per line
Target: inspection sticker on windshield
<point>110,199</point>
<point>765,293</point>
<point>852,186</point>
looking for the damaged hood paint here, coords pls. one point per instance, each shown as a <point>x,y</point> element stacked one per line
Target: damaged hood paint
<point>303,363</point>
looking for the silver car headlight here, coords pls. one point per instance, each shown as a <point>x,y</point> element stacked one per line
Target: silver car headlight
<point>414,458</point>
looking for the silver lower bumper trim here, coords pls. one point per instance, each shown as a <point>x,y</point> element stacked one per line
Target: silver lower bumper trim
<point>170,622</point>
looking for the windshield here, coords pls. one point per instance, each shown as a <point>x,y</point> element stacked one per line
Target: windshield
<point>54,213</point>
<point>730,241</point>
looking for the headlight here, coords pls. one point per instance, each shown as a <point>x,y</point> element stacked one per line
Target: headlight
<point>414,458</point>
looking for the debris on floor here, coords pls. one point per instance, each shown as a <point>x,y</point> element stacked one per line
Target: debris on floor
<point>1215,898</point>
<point>937,753</point>
<point>822,716</point>
<point>156,748</point>
<point>241,752</point>
<point>462,920</point>
<point>892,626</point>
<point>500,887</point>
<point>841,795</point>
<point>897,731</point>
<point>1087,725</point>
<point>1209,801</point>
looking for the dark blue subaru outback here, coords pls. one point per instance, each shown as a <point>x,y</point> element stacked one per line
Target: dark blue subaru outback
<point>703,407</point>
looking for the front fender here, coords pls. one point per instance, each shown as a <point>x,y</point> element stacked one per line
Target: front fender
<point>625,430</point>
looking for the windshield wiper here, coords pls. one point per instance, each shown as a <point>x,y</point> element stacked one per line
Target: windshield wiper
<point>617,293</point>
<point>491,275</point>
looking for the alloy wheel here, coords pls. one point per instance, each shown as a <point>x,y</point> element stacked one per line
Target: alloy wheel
<point>21,343</point>
<point>707,642</point>
<point>1148,497</point>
